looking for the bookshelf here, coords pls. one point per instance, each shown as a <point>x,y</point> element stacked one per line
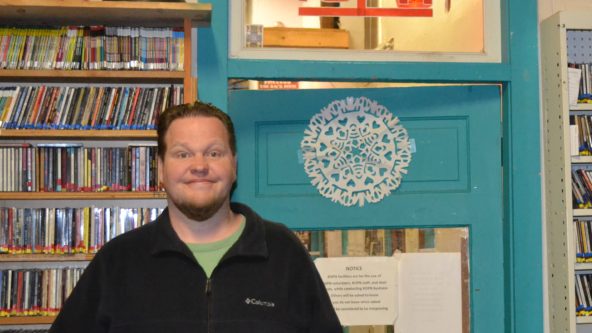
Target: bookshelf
<point>558,48</point>
<point>58,13</point>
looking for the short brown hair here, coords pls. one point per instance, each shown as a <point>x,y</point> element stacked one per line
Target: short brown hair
<point>196,109</point>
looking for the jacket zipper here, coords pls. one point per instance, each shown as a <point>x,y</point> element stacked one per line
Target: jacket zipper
<point>208,304</point>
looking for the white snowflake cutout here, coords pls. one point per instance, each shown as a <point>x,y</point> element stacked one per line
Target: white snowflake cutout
<point>355,151</point>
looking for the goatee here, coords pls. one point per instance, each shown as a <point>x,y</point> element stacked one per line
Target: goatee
<point>199,213</point>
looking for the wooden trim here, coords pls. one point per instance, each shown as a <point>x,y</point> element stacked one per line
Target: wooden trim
<point>45,257</point>
<point>128,13</point>
<point>91,76</point>
<point>189,89</point>
<point>81,195</point>
<point>27,320</point>
<point>78,134</point>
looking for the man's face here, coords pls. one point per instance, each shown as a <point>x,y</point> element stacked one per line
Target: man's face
<point>198,168</point>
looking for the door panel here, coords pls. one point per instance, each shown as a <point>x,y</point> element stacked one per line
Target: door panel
<point>440,165</point>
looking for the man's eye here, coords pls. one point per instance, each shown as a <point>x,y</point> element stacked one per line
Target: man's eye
<point>214,154</point>
<point>182,155</point>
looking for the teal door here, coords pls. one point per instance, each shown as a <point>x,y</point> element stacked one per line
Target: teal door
<point>453,178</point>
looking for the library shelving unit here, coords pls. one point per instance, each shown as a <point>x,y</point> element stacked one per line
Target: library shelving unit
<point>558,48</point>
<point>41,13</point>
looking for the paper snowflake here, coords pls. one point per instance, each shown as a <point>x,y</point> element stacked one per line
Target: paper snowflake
<point>355,151</point>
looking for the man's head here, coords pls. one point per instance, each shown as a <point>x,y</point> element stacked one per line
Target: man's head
<point>197,109</point>
<point>197,159</point>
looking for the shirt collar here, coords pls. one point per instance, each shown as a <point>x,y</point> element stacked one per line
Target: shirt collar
<point>251,243</point>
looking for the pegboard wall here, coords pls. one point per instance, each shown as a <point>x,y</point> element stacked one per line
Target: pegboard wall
<point>579,46</point>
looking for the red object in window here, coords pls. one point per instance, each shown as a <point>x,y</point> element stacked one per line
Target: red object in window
<point>414,3</point>
<point>408,9</point>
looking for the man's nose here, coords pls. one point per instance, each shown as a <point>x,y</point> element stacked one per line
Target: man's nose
<point>199,164</point>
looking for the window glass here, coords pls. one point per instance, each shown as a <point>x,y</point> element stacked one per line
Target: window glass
<point>374,29</point>
<point>431,274</point>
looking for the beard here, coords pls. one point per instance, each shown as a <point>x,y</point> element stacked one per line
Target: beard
<point>199,213</point>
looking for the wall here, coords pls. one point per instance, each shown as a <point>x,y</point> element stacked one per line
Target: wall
<point>458,28</point>
<point>265,12</point>
<point>550,7</point>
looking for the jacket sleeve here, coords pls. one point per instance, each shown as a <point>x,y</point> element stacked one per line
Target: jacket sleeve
<point>81,311</point>
<point>310,290</point>
<point>324,317</point>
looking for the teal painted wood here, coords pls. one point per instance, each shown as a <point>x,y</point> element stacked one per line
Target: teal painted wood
<point>432,135</point>
<point>518,73</point>
<point>212,56</point>
<point>522,170</point>
<point>461,121</point>
<point>368,71</point>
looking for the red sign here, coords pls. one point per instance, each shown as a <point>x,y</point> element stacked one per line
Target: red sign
<point>362,10</point>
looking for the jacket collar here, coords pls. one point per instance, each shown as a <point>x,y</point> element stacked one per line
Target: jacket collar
<point>251,243</point>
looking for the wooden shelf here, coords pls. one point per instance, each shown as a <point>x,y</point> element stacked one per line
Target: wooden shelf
<point>126,13</point>
<point>585,266</point>
<point>88,76</point>
<point>581,107</point>
<point>582,212</point>
<point>581,159</point>
<point>81,195</point>
<point>45,257</point>
<point>305,38</point>
<point>23,320</point>
<point>78,134</point>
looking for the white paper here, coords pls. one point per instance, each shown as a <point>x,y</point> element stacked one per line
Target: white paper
<point>362,289</point>
<point>574,140</point>
<point>430,297</point>
<point>573,81</point>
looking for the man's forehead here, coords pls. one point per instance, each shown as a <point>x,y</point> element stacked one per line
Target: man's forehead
<point>197,133</point>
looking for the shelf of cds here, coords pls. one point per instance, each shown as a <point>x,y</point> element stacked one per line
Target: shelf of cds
<point>34,237</point>
<point>566,54</point>
<point>81,86</point>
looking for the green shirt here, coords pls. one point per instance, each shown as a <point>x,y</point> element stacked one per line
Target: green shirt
<point>208,255</point>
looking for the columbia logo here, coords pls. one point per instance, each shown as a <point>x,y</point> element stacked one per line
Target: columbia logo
<point>254,301</point>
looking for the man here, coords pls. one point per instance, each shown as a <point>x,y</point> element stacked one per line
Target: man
<point>205,265</point>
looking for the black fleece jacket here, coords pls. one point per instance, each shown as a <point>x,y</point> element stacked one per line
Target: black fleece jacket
<point>147,280</point>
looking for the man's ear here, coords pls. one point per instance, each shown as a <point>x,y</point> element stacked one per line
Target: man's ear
<point>235,184</point>
<point>235,167</point>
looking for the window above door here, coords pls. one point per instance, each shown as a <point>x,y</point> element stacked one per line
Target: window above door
<point>366,30</point>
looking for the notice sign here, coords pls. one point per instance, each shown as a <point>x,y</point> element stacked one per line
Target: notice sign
<point>362,289</point>
<point>278,85</point>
